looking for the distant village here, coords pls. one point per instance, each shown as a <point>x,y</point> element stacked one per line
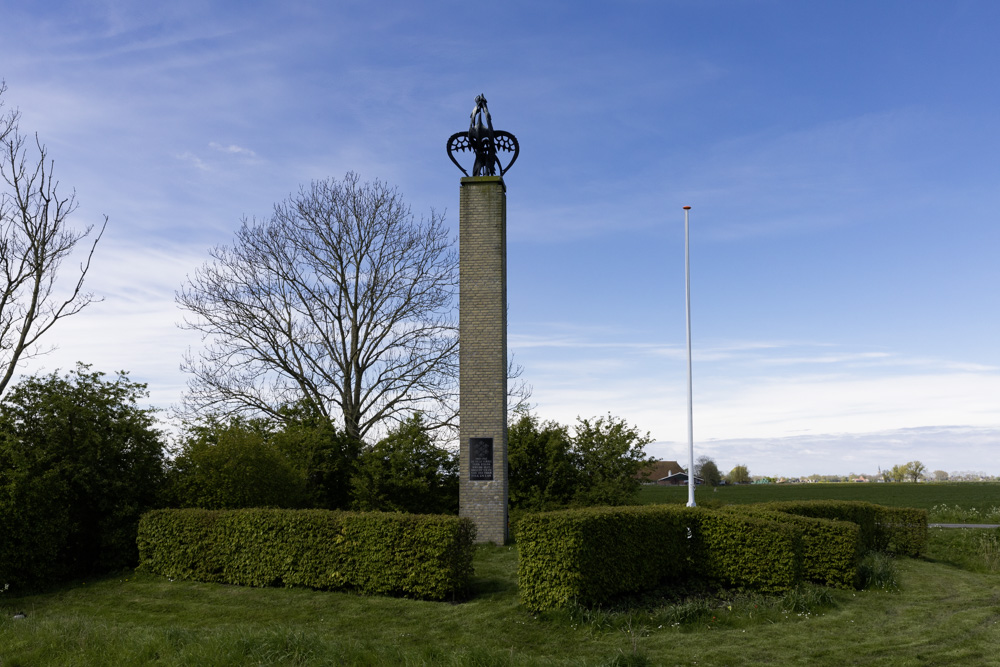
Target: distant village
<point>672,473</point>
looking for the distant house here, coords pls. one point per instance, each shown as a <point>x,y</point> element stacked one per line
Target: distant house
<point>659,470</point>
<point>678,479</point>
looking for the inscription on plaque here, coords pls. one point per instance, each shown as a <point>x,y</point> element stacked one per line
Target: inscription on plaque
<point>481,459</point>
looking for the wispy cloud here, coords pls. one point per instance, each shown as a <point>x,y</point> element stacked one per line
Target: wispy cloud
<point>754,389</point>
<point>193,160</point>
<point>232,149</point>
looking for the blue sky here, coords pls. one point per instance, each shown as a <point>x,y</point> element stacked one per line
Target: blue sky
<point>842,160</point>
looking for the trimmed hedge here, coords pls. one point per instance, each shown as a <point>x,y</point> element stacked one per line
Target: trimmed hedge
<point>902,530</point>
<point>592,555</point>
<point>830,549</point>
<point>747,551</point>
<point>422,556</point>
<point>906,528</point>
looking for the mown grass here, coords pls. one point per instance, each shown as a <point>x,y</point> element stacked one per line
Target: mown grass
<point>936,611</point>
<point>963,495</point>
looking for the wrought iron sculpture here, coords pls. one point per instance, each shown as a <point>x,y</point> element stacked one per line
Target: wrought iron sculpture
<point>484,141</point>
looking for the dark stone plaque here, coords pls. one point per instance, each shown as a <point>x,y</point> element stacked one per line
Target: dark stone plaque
<point>481,459</point>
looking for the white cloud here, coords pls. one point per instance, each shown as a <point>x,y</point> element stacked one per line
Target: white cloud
<point>757,390</point>
<point>134,328</point>
<point>232,149</point>
<point>194,160</point>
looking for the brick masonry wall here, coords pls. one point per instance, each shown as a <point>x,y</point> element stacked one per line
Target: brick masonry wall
<point>483,349</point>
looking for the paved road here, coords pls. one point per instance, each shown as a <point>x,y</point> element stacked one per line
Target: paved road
<point>963,525</point>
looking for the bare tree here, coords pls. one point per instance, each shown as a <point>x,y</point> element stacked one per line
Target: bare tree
<point>341,298</point>
<point>34,240</point>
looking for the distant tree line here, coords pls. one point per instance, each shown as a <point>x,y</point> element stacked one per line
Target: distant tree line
<point>912,471</point>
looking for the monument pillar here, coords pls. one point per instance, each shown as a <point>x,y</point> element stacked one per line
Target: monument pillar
<point>482,325</point>
<point>483,355</point>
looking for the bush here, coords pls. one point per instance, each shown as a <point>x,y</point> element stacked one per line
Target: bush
<point>407,472</point>
<point>79,463</point>
<point>746,551</point>
<point>421,556</point>
<point>232,465</point>
<point>327,456</point>
<point>831,550</point>
<point>589,556</point>
<point>905,529</point>
<point>899,529</point>
<point>865,515</point>
<point>541,464</point>
<point>598,465</point>
<point>609,454</point>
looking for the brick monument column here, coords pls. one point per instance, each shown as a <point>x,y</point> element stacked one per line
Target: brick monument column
<point>483,355</point>
<point>482,324</point>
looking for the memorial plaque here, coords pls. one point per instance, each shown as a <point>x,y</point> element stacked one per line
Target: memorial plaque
<point>481,459</point>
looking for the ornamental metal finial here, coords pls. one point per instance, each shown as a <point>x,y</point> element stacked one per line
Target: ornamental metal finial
<point>484,141</point>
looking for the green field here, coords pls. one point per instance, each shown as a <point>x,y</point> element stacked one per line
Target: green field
<point>967,495</point>
<point>946,611</point>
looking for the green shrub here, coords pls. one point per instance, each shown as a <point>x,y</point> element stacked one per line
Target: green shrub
<point>591,555</point>
<point>233,464</point>
<point>610,455</point>
<point>905,529</point>
<point>899,529</point>
<point>421,556</point>
<point>80,462</point>
<point>831,549</point>
<point>407,472</point>
<point>541,464</point>
<point>746,551</point>
<point>598,465</point>
<point>865,515</point>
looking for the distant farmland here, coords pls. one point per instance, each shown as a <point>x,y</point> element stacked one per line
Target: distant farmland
<point>898,494</point>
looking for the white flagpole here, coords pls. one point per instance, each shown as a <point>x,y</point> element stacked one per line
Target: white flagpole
<point>687,284</point>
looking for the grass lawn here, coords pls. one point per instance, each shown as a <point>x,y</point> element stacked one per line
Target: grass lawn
<point>946,611</point>
<point>984,495</point>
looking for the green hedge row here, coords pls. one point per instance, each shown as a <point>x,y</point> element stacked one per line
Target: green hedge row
<point>906,528</point>
<point>593,554</point>
<point>746,551</point>
<point>830,549</point>
<point>590,556</point>
<point>902,530</point>
<point>412,555</point>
